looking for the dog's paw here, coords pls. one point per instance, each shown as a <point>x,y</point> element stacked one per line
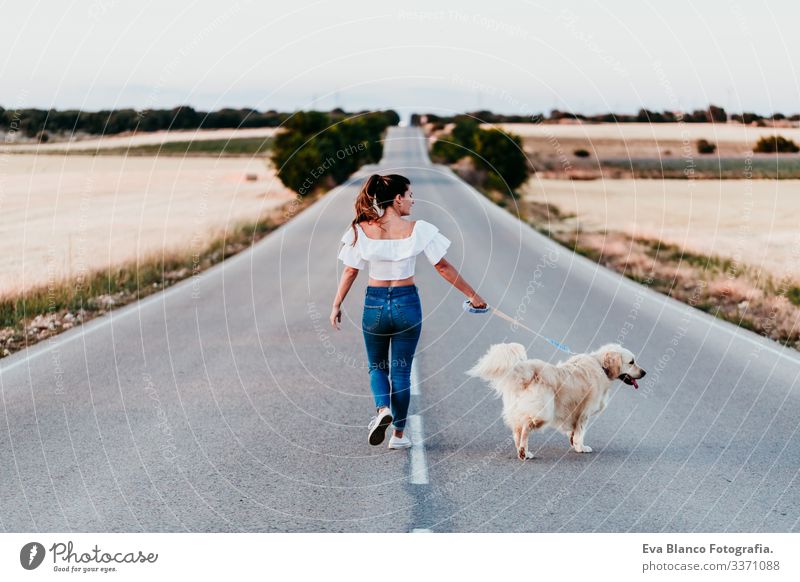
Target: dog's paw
<point>528,455</point>
<point>522,454</point>
<point>584,449</point>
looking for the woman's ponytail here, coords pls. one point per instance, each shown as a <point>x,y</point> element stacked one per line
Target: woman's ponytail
<point>375,195</point>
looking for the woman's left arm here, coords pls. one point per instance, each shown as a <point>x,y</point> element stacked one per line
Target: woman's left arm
<point>348,276</point>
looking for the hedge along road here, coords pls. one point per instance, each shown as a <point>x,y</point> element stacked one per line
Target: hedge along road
<point>227,403</point>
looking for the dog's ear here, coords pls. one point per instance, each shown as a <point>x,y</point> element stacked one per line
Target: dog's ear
<point>612,364</point>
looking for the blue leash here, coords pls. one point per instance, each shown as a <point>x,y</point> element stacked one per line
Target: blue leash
<point>468,307</point>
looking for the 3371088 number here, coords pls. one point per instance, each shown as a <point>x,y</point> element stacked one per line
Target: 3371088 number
<point>755,565</point>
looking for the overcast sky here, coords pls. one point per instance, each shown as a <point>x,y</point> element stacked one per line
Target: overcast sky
<point>511,57</point>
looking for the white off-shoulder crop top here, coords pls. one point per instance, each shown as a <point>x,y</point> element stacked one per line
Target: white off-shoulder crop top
<point>392,259</point>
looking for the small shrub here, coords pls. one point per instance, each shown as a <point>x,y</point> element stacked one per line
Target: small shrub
<point>774,144</point>
<point>706,147</point>
<point>581,153</point>
<point>444,151</point>
<point>500,153</point>
<point>793,295</point>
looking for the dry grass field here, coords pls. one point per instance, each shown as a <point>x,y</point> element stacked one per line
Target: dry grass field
<point>753,221</point>
<point>123,141</point>
<point>64,215</point>
<point>642,140</point>
<point>730,247</point>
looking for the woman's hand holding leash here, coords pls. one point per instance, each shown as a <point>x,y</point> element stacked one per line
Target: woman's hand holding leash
<point>477,301</point>
<point>475,304</point>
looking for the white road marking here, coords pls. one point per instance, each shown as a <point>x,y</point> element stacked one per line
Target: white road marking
<point>419,466</point>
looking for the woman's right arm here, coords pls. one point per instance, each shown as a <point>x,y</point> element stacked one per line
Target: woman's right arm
<point>449,273</point>
<point>348,276</point>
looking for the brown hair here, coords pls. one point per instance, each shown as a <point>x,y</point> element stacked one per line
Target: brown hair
<point>377,192</point>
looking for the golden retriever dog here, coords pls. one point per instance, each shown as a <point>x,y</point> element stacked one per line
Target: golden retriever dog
<point>562,396</point>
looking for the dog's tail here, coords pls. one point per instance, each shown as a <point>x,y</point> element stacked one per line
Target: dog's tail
<point>497,363</point>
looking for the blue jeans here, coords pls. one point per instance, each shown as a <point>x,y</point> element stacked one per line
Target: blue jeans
<point>392,319</point>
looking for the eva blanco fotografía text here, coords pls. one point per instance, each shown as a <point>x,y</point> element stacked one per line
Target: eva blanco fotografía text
<point>706,549</point>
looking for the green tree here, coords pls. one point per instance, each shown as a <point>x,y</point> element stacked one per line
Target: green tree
<point>316,148</point>
<point>717,114</point>
<point>706,147</point>
<point>444,151</point>
<point>501,154</point>
<point>464,132</point>
<point>775,144</point>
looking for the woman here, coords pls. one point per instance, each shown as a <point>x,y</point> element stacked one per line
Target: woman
<point>380,237</point>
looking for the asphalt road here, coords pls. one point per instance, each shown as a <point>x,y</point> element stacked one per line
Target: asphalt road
<point>226,403</point>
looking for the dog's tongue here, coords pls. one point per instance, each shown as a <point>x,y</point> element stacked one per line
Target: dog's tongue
<point>635,385</point>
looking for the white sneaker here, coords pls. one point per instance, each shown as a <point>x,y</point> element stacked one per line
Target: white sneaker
<point>377,426</point>
<point>399,443</point>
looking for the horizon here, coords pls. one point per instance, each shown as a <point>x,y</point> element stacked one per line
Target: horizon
<point>405,120</point>
<point>460,57</point>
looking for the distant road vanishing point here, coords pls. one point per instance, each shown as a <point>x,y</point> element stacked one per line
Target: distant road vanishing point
<point>226,403</point>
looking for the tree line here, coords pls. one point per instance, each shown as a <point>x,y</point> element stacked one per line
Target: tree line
<point>712,114</point>
<point>43,122</point>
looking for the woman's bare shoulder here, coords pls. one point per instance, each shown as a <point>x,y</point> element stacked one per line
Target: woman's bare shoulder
<point>375,229</point>
<point>369,226</point>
